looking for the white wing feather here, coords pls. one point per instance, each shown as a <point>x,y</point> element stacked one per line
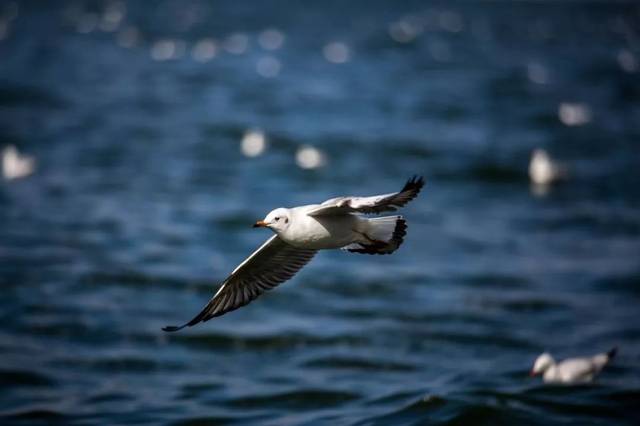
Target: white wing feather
<point>273,263</point>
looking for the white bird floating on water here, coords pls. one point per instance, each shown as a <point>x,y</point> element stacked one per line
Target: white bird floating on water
<point>571,370</point>
<point>543,170</point>
<point>300,233</point>
<point>16,165</point>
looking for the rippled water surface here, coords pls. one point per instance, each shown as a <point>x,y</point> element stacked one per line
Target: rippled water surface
<point>142,202</point>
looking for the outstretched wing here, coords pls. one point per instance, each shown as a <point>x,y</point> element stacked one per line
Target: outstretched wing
<point>375,204</point>
<point>273,263</point>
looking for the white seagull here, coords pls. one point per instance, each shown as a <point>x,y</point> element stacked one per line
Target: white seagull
<point>571,370</point>
<point>16,165</point>
<point>300,233</point>
<point>543,170</point>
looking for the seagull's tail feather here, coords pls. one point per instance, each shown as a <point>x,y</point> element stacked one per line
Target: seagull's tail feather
<point>603,359</point>
<point>383,236</point>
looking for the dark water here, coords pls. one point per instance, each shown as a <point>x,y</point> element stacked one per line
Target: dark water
<point>142,202</point>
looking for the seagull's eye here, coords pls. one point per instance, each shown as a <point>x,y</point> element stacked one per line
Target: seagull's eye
<point>277,218</point>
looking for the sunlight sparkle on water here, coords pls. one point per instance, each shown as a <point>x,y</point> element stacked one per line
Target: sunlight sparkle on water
<point>271,39</point>
<point>537,73</point>
<point>309,157</point>
<point>627,61</point>
<point>405,30</point>
<point>204,50</point>
<point>164,50</point>
<point>336,52</point>
<point>113,16</point>
<point>254,143</point>
<point>236,43</point>
<point>574,114</point>
<point>268,67</point>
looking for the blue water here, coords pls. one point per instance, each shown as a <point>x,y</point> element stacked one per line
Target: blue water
<point>142,202</point>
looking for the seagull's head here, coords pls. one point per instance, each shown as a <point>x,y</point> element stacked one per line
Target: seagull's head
<point>542,363</point>
<point>277,220</point>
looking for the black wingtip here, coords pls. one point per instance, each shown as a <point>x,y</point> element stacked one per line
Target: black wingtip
<point>612,353</point>
<point>414,184</point>
<point>172,328</point>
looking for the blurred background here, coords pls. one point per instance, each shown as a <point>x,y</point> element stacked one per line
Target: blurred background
<point>142,139</point>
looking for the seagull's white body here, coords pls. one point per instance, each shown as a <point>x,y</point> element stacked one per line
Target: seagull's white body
<point>575,370</point>
<point>571,370</point>
<point>300,233</point>
<point>321,233</point>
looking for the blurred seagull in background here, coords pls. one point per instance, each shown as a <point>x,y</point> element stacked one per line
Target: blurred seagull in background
<point>300,233</point>
<point>543,170</point>
<point>16,165</point>
<point>572,370</point>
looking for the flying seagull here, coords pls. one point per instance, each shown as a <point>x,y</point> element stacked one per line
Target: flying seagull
<point>571,370</point>
<point>300,233</point>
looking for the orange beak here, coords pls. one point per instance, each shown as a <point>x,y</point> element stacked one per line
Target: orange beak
<point>260,224</point>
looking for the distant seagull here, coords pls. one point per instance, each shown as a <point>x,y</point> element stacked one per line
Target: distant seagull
<point>16,165</point>
<point>572,370</point>
<point>543,170</point>
<point>300,233</point>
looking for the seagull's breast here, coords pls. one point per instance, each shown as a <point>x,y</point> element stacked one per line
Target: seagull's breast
<point>321,232</point>
<point>552,375</point>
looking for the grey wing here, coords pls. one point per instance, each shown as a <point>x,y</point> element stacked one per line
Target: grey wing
<point>577,369</point>
<point>374,204</point>
<point>273,263</point>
